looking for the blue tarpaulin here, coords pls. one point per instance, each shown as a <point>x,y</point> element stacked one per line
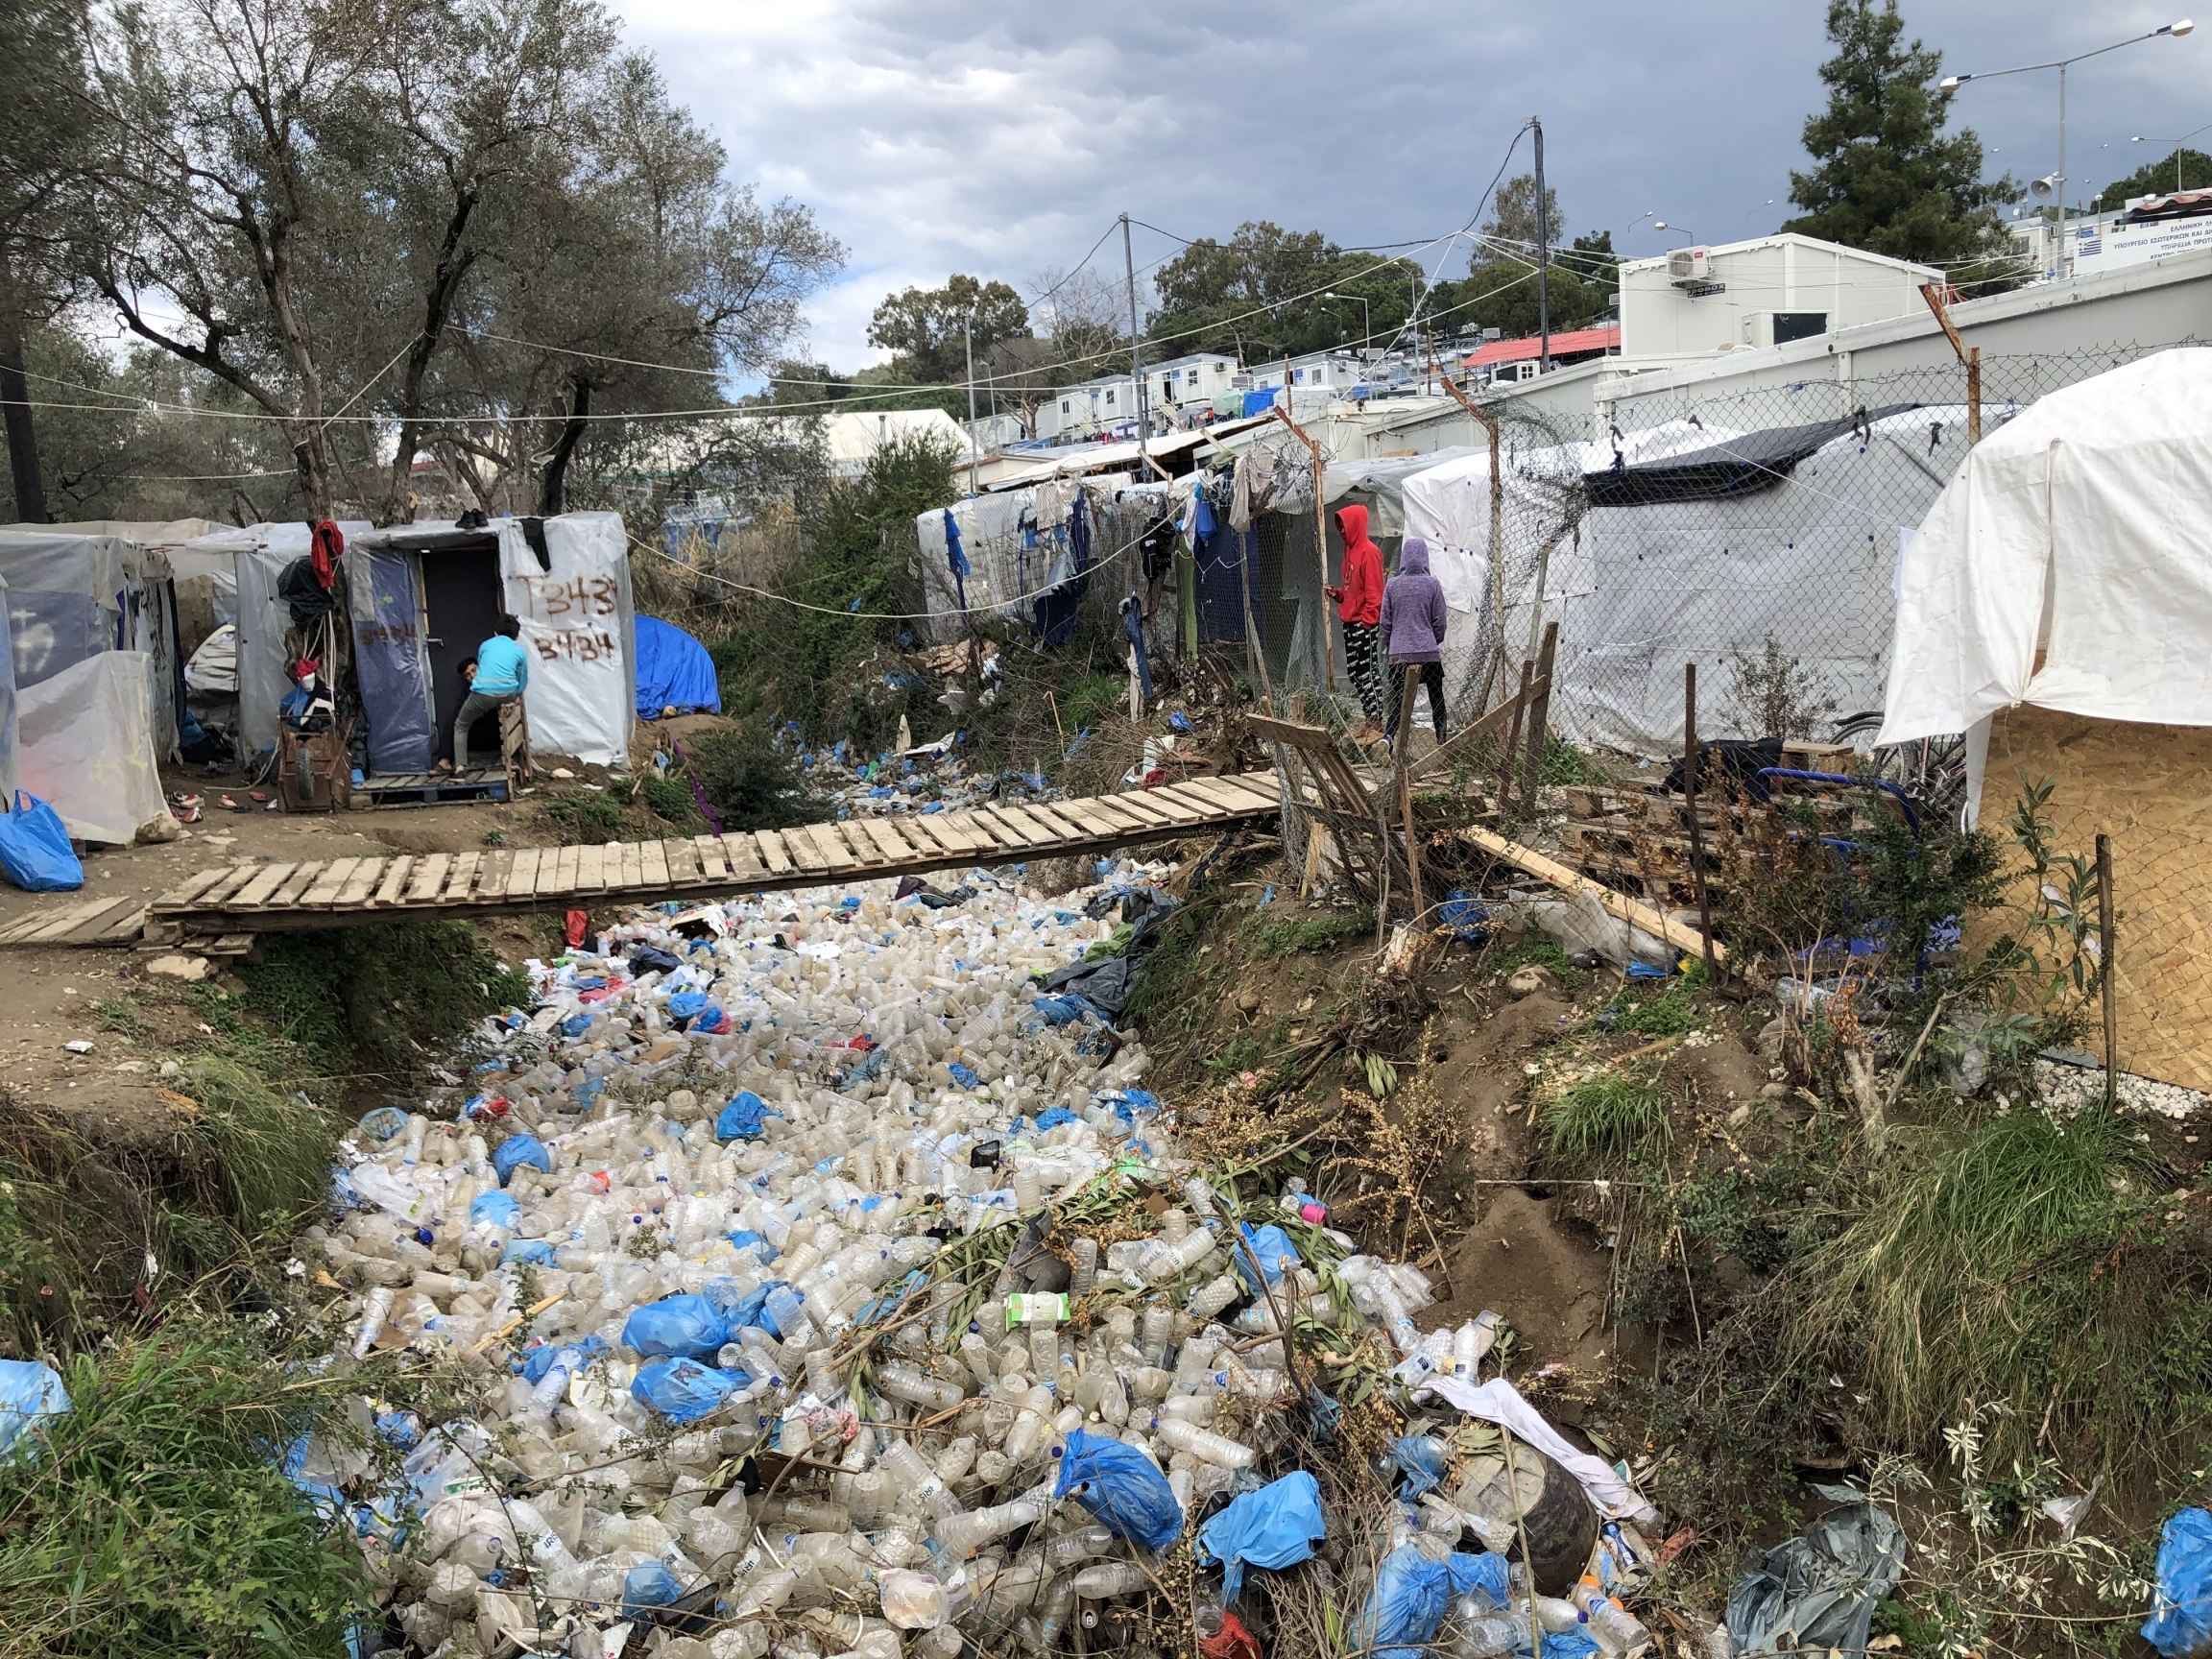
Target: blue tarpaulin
<point>673,672</point>
<point>2181,1611</point>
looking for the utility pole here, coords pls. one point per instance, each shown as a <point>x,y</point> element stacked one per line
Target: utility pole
<point>967,335</point>
<point>1135,349</point>
<point>1543,259</point>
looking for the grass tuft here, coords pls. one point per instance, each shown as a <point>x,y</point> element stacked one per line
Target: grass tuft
<point>2028,1266</point>
<point>1601,1120</point>
<point>1290,936</point>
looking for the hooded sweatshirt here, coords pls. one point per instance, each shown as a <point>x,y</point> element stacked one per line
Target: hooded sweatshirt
<point>1362,576</point>
<point>1413,608</point>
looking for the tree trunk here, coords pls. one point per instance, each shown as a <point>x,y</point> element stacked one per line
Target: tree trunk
<point>554,485</point>
<point>22,437</point>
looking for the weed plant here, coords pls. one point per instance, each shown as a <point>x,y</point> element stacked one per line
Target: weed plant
<point>1604,1120</point>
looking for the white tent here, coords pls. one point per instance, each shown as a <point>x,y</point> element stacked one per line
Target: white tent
<point>2068,564</point>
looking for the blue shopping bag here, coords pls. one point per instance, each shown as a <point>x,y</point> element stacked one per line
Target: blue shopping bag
<point>35,850</point>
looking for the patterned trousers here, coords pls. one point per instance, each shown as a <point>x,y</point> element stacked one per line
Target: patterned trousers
<point>1363,662</point>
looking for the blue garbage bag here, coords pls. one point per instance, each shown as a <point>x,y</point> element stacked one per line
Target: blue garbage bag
<point>2180,1618</point>
<point>1422,1458</point>
<point>35,850</point>
<point>745,1238</point>
<point>30,1392</point>
<point>650,1583</point>
<point>683,1391</point>
<point>1464,916</point>
<point>574,1356</point>
<point>520,1149</point>
<point>495,1207</point>
<point>1273,1528</point>
<point>744,1118</point>
<point>534,1252</point>
<point>685,1004</point>
<point>383,1123</point>
<point>1053,1116</point>
<point>1269,1245</point>
<point>753,1308</point>
<point>1123,1487</point>
<point>676,1327</point>
<point>963,1076</point>
<point>1411,1595</point>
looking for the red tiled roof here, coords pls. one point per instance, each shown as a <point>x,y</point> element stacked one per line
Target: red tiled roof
<point>1605,339</point>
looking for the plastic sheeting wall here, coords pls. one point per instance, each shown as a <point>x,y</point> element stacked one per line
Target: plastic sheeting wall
<point>388,660</point>
<point>579,623</point>
<point>263,619</point>
<point>8,770</point>
<point>86,744</point>
<point>1809,563</point>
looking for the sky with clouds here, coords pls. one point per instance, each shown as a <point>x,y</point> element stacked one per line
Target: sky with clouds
<point>940,135</point>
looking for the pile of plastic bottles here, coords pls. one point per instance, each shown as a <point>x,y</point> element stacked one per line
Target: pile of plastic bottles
<point>777,1231</point>
<point>920,778</point>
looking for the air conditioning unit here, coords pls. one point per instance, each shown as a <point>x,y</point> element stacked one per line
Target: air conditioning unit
<point>1688,265</point>
<point>1240,382</point>
<point>1780,327</point>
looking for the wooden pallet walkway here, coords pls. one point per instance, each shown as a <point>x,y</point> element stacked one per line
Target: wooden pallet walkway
<point>265,898</point>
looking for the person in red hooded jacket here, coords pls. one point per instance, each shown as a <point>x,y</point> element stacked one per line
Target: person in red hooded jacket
<point>1359,607</point>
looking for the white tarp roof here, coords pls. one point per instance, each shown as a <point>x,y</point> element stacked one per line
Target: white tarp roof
<point>2078,528</point>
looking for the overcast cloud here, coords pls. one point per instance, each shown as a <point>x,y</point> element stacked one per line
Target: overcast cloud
<point>937,135</point>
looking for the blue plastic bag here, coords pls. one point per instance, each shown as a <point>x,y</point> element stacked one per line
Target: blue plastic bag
<point>1269,1245</point>
<point>649,1584</point>
<point>35,850</point>
<point>494,1206</point>
<point>574,1356</point>
<point>1413,1593</point>
<point>686,1004</point>
<point>745,1238</point>
<point>2180,1618</point>
<point>30,1392</point>
<point>535,1252</point>
<point>964,1076</point>
<point>1422,1458</point>
<point>1053,1116</point>
<point>683,1391</point>
<point>1123,1487</point>
<point>1273,1528</point>
<point>520,1149</point>
<point>676,1327</point>
<point>744,1118</point>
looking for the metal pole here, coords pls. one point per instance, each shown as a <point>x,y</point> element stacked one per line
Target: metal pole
<point>1135,348</point>
<point>1543,260</point>
<point>2064,184</point>
<point>968,334</point>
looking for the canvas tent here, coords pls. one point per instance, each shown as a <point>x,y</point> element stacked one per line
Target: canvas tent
<point>2056,606</point>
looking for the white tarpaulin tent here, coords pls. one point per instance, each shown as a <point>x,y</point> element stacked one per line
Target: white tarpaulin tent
<point>86,745</point>
<point>581,627</point>
<point>2078,530</point>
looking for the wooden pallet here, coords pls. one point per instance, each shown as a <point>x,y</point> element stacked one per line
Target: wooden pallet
<point>261,898</point>
<point>79,921</point>
<point>430,788</point>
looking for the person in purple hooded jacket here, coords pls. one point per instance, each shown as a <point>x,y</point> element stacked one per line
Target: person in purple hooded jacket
<point>1413,628</point>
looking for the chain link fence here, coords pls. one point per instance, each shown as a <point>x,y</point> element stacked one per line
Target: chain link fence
<point>1756,533</point>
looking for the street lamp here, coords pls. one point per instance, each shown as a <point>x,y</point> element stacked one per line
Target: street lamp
<point>1366,325</point>
<point>2176,143</point>
<point>1661,224</point>
<point>2058,181</point>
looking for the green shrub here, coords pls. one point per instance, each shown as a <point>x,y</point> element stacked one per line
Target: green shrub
<point>1274,939</point>
<point>587,819</point>
<point>670,799</point>
<point>360,1001</point>
<point>754,783</point>
<point>155,1517</point>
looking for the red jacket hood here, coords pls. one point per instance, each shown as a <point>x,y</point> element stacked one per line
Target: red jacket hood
<point>1361,580</point>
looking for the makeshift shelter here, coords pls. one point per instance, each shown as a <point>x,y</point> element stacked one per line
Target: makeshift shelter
<point>421,598</point>
<point>674,672</point>
<point>248,564</point>
<point>2056,606</point>
<point>73,593</point>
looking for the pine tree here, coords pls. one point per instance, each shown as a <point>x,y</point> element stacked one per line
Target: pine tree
<point>1886,177</point>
